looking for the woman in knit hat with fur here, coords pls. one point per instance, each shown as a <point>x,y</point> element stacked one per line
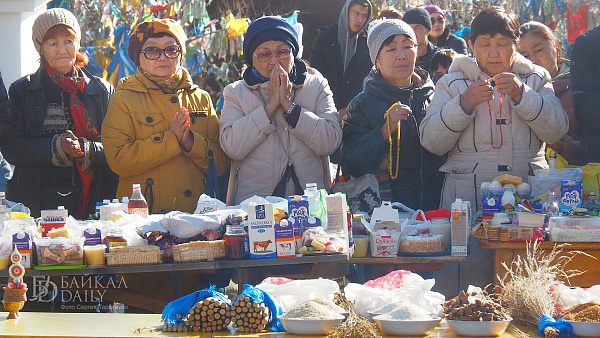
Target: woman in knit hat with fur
<point>57,114</point>
<point>279,123</point>
<point>381,126</point>
<point>161,129</point>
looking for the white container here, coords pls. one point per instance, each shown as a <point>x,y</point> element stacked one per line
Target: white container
<point>500,218</point>
<point>586,329</point>
<point>310,327</point>
<point>508,202</point>
<point>528,219</point>
<point>574,229</point>
<point>407,327</point>
<point>478,329</point>
<point>261,231</point>
<point>441,226</point>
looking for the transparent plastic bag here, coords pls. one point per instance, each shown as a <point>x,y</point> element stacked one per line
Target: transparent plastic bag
<point>290,294</point>
<point>549,179</point>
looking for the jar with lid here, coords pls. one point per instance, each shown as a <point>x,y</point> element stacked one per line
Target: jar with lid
<point>441,226</point>
<point>500,218</point>
<point>236,240</point>
<point>114,237</point>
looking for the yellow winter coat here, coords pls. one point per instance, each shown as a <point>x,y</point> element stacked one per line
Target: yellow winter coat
<point>140,147</point>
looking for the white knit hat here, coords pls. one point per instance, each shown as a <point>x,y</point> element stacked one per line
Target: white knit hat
<point>49,19</point>
<point>380,30</point>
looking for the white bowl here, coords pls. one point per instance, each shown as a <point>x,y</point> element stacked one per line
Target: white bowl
<point>310,327</point>
<point>586,329</point>
<point>407,327</point>
<point>477,328</point>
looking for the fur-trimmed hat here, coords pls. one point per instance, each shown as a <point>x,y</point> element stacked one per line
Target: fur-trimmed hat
<point>144,31</point>
<point>49,19</point>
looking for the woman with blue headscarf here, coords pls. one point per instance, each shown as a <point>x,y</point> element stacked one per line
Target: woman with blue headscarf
<point>279,123</point>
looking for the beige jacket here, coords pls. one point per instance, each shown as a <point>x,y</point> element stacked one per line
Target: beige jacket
<point>260,148</point>
<point>472,159</point>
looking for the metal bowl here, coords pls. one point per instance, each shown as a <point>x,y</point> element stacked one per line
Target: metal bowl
<point>477,328</point>
<point>586,329</point>
<point>407,327</point>
<point>310,327</point>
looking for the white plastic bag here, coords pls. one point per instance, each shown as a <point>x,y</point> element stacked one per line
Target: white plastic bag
<point>568,297</point>
<point>290,294</point>
<point>184,225</point>
<point>207,204</point>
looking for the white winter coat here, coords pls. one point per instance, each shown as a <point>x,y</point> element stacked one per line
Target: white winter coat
<point>260,148</point>
<point>538,118</point>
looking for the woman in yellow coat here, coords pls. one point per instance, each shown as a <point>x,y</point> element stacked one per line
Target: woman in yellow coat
<point>160,129</point>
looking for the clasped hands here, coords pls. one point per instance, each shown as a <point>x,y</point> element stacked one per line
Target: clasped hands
<point>181,127</point>
<point>483,90</point>
<point>280,91</point>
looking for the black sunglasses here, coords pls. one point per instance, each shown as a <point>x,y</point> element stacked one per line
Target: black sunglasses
<point>153,53</point>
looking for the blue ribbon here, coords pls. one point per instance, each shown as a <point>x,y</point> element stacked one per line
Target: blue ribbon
<point>564,327</point>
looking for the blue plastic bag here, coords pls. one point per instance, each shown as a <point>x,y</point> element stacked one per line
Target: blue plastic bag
<point>564,327</point>
<point>275,310</point>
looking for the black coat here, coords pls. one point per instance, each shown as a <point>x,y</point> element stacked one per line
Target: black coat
<point>419,181</point>
<point>585,88</point>
<point>424,61</point>
<point>31,153</point>
<point>451,41</point>
<point>326,57</point>
<point>5,124</point>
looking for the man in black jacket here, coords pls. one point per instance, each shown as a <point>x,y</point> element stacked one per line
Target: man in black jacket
<point>5,129</point>
<point>585,85</point>
<point>418,18</point>
<point>341,54</point>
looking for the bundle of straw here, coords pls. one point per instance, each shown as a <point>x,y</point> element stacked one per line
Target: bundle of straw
<point>526,287</point>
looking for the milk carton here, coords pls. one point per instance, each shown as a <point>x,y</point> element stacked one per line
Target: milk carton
<point>261,231</point>
<point>311,222</point>
<point>22,241</point>
<point>295,224</point>
<point>92,236</point>
<point>570,194</point>
<point>284,238</point>
<point>53,219</point>
<point>337,217</point>
<point>298,208</point>
<point>460,224</point>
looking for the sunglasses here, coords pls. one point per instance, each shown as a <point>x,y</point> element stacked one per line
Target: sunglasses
<point>281,54</point>
<point>153,53</point>
<point>439,20</point>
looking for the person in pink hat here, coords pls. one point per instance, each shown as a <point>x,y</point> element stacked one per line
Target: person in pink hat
<point>440,34</point>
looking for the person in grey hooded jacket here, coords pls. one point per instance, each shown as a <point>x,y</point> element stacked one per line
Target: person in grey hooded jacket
<point>341,55</point>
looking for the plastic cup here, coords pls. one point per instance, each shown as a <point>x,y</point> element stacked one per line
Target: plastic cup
<point>361,245</point>
<point>4,263</point>
<point>94,254</point>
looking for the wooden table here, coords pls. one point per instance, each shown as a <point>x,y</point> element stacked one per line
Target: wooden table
<point>109,325</point>
<point>507,251</point>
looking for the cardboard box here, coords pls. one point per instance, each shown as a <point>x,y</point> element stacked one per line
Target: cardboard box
<point>570,194</point>
<point>337,217</point>
<point>527,219</point>
<point>53,219</point>
<point>284,239</point>
<point>522,234</point>
<point>460,223</point>
<point>491,202</point>
<point>385,239</point>
<point>92,236</point>
<point>261,231</point>
<point>22,241</point>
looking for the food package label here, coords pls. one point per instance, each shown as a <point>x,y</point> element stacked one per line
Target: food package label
<point>284,239</point>
<point>385,239</point>
<point>206,206</point>
<point>298,208</point>
<point>53,219</point>
<point>460,227</point>
<point>92,236</point>
<point>522,234</point>
<point>337,217</point>
<point>491,202</point>
<point>570,194</point>
<point>297,232</point>
<point>22,241</point>
<point>261,231</point>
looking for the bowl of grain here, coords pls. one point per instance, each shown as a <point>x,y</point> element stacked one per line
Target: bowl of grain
<point>475,328</point>
<point>310,318</point>
<point>406,319</point>
<point>586,329</point>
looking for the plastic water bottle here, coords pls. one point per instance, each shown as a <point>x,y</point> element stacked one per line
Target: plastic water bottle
<point>4,212</point>
<point>312,193</point>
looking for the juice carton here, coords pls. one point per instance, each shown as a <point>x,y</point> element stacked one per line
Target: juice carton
<point>92,236</point>
<point>311,222</point>
<point>297,232</point>
<point>261,231</point>
<point>298,208</point>
<point>53,219</point>
<point>284,238</point>
<point>22,241</point>
<point>570,194</point>
<point>460,224</point>
<point>337,217</point>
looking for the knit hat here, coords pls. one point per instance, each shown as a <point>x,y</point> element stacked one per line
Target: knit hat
<point>144,31</point>
<point>269,28</point>
<point>434,9</point>
<point>418,16</point>
<point>381,29</point>
<point>49,19</point>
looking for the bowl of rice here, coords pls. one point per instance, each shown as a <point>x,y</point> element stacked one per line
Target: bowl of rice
<point>310,318</point>
<point>476,328</point>
<point>406,319</point>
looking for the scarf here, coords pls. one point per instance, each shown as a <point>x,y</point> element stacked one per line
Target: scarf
<point>83,125</point>
<point>297,75</point>
<point>168,84</point>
